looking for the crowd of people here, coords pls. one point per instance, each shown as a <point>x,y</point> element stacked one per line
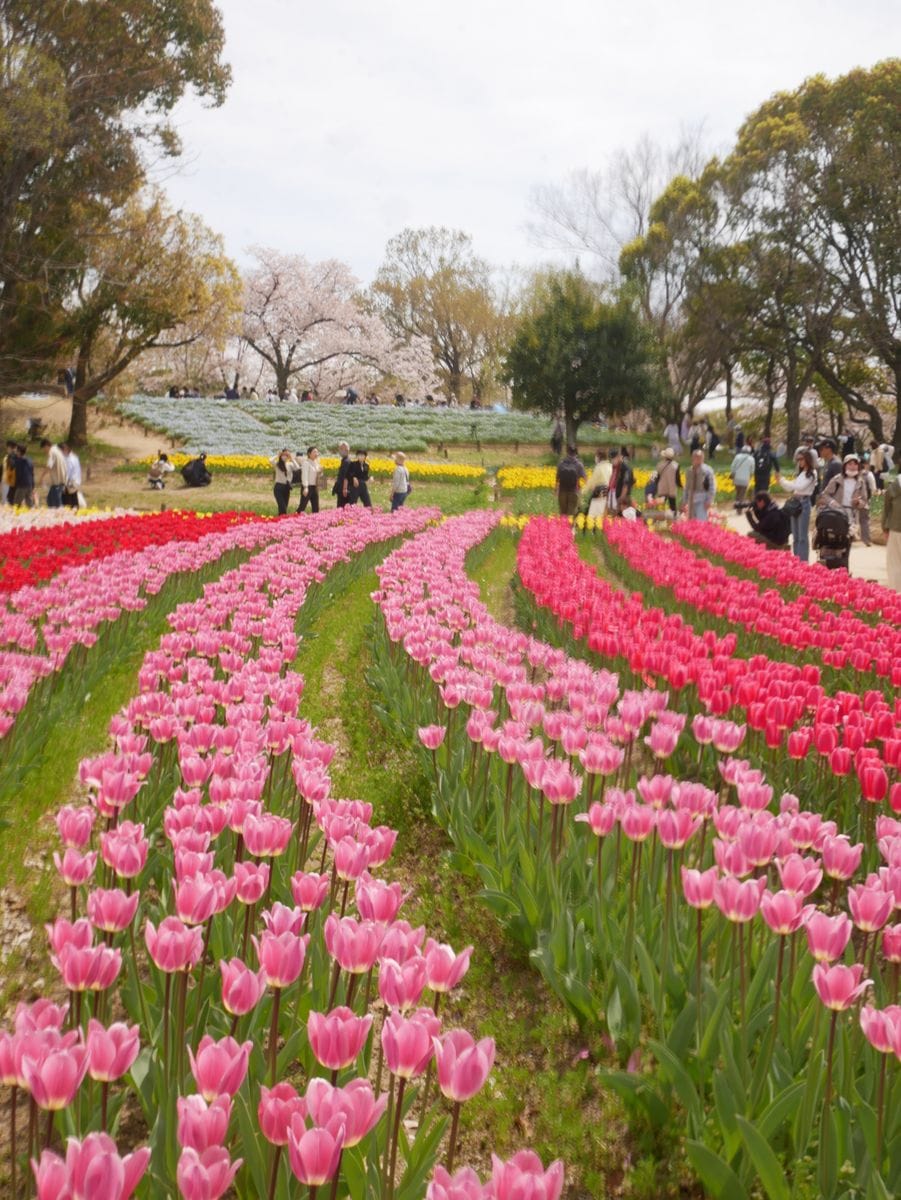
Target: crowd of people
<point>302,471</point>
<point>61,475</point>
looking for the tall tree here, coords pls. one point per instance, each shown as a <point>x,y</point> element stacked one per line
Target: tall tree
<point>86,90</point>
<point>574,351</point>
<point>433,286</point>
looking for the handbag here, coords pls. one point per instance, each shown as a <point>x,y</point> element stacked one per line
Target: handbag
<point>793,507</point>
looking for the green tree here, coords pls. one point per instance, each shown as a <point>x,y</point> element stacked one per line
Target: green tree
<point>574,351</point>
<point>432,285</point>
<point>86,93</point>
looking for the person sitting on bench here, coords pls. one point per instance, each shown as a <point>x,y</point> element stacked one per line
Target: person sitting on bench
<point>769,524</point>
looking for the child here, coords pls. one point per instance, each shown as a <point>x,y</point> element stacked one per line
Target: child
<point>156,476</point>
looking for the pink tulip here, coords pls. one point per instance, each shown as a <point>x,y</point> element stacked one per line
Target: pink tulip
<point>96,1171</point>
<point>91,970</point>
<point>77,934</point>
<point>278,1107</point>
<point>337,1037</point>
<point>281,957</point>
<point>662,740</point>
<point>444,968</point>
<point>738,900</point>
<point>656,790</point>
<point>111,910</point>
<point>870,907</point>
<point>351,858</point>
<point>408,1042</point>
<point>219,1067</point>
<point>377,900</point>
<point>801,875</point>
<point>840,858</point>
<point>675,827</point>
<point>124,853</point>
<point>206,1176</point>
<point>267,835</point>
<point>202,1126</point>
<point>637,821</point>
<point>401,984</point>
<point>523,1177</point>
<point>75,868</point>
<point>310,890</point>
<point>51,1177</point>
<point>431,736</point>
<point>314,1153</point>
<point>839,987</point>
<point>280,919</point>
<point>891,943</point>
<point>881,1027</point>
<point>42,1014</point>
<point>112,1051</point>
<point>784,912</point>
<point>827,936</point>
<point>353,944</point>
<point>601,819</point>
<point>463,1064</point>
<point>54,1077</point>
<point>252,880</point>
<point>462,1185</point>
<point>173,947</point>
<point>242,989</point>
<point>75,825</point>
<point>698,886</point>
<point>195,900</point>
<point>401,941</point>
<point>354,1106</point>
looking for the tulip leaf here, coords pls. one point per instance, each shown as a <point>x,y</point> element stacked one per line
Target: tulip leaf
<point>716,1175</point>
<point>765,1162</point>
<point>637,1092</point>
<point>780,1110</point>
<point>674,1071</point>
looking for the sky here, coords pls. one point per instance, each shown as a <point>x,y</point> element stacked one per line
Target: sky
<point>348,120</point>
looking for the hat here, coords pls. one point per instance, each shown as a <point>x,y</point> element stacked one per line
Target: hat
<point>669,452</point>
<point>850,458</point>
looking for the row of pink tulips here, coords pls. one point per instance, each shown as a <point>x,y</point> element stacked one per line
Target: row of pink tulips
<point>217,712</point>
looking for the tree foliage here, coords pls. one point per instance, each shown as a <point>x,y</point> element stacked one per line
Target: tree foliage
<point>575,352</point>
<point>433,286</point>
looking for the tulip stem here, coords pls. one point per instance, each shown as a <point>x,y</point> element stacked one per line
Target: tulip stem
<point>698,945</point>
<point>12,1138</point>
<point>334,1192</point>
<point>166,1048</point>
<point>452,1147</point>
<point>180,1028</point>
<point>48,1135</point>
<point>880,1107</point>
<point>104,1099</point>
<point>248,912</point>
<point>390,1119</point>
<point>333,990</point>
<point>134,956</point>
<point>73,902</point>
<point>827,1095</point>
<point>344,897</point>
<point>273,1035</point>
<point>273,1174</point>
<point>402,1083</point>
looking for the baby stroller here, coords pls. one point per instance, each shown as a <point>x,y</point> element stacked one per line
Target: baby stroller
<point>832,538</point>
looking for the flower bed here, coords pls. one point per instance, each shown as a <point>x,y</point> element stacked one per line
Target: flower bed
<point>207,828</point>
<point>381,468</point>
<point>533,478</point>
<point>735,996</point>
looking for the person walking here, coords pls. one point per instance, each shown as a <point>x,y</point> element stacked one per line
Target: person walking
<point>829,460</point>
<point>700,488</point>
<point>310,472</point>
<point>9,473</point>
<point>622,480</point>
<point>765,462</point>
<point>741,470</point>
<point>846,491</point>
<point>339,488</point>
<point>891,524</point>
<point>23,492</point>
<point>598,482</point>
<point>869,483</point>
<point>669,479</point>
<point>358,481</point>
<point>570,474</point>
<point>54,472</point>
<point>72,486</point>
<point>673,439</point>
<point>284,465</point>
<point>802,488</point>
<point>400,482</point>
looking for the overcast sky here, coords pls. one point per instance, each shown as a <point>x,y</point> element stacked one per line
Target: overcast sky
<point>351,119</point>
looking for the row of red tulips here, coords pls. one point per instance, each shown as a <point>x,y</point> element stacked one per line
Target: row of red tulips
<point>201,823</point>
<point>838,637</point>
<point>30,557</point>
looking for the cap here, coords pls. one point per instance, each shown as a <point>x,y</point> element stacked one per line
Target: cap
<point>669,452</point>
<point>850,458</point>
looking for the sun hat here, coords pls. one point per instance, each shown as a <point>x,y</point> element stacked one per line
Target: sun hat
<point>850,458</point>
<point>669,452</point>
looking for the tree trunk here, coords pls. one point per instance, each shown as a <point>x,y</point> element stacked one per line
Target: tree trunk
<point>792,418</point>
<point>78,420</point>
<point>571,425</point>
<point>728,367</point>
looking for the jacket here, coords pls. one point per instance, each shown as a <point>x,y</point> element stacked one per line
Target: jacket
<point>742,468</point>
<point>891,511</point>
<point>832,494</point>
<point>669,478</point>
<point>706,482</point>
<point>770,521</point>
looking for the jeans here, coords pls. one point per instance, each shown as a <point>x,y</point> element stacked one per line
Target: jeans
<point>801,531</point>
<point>398,499</point>
<point>699,508</point>
<point>282,492</point>
<point>55,496</point>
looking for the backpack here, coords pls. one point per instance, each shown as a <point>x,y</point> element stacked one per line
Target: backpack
<point>568,475</point>
<point>762,460</point>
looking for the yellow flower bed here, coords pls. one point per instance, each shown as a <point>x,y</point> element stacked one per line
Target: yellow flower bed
<point>380,468</point>
<point>514,479</point>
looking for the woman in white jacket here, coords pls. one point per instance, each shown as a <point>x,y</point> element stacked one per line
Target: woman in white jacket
<point>802,488</point>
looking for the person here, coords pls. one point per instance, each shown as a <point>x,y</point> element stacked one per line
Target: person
<point>765,462</point>
<point>195,473</point>
<point>685,429</point>
<point>869,483</point>
<point>831,464</point>
<point>358,481</point>
<point>846,491</point>
<point>739,437</point>
<point>310,472</point>
<point>9,472</point>
<point>713,440</point>
<point>673,440</point>
<point>72,485</point>
<point>570,474</point>
<point>697,436</point>
<point>284,465</point>
<point>891,524</point>
<point>622,479</point>
<point>669,479</point>
<point>741,470</point>
<point>802,488</point>
<point>55,470</point>
<point>254,394</point>
<point>700,488</point>
<point>849,446</point>
<point>877,463</point>
<point>400,482</point>
<point>598,482</point>
<point>557,438</point>
<point>770,524</point>
<point>156,475</point>
<point>350,396</point>
<point>888,457</point>
<point>339,487</point>
<point>23,492</point>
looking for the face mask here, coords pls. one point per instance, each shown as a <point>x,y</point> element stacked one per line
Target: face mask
<point>851,472</point>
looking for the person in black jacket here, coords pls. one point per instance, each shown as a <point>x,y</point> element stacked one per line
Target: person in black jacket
<point>765,462</point>
<point>340,489</point>
<point>357,481</point>
<point>769,524</point>
<point>195,472</point>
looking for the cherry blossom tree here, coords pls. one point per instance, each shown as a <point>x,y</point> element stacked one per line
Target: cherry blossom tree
<point>307,324</point>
